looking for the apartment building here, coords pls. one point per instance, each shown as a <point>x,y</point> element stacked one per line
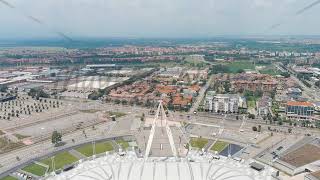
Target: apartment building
<point>227,103</point>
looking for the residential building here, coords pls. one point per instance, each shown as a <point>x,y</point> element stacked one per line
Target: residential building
<point>294,92</point>
<point>264,105</point>
<point>227,103</point>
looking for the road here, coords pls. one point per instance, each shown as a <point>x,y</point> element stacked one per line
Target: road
<point>311,93</point>
<point>201,95</point>
<point>123,127</point>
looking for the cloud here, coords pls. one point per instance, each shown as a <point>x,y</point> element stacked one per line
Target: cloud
<point>154,18</point>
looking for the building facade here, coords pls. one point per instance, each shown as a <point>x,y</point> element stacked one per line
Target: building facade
<point>299,110</point>
<point>227,103</point>
<point>264,105</point>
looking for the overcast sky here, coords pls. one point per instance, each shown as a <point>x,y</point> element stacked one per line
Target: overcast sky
<point>158,18</point>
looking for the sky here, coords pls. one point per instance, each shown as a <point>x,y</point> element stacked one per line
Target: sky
<point>157,18</point>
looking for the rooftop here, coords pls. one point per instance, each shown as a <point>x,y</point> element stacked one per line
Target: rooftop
<point>297,103</point>
<point>302,156</point>
<point>129,167</point>
<point>316,174</point>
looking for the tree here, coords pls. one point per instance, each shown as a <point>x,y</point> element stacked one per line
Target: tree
<point>259,128</point>
<point>56,137</point>
<point>142,117</point>
<point>285,74</point>
<point>3,89</point>
<point>254,128</point>
<point>318,124</point>
<point>124,102</point>
<point>251,116</point>
<point>240,71</point>
<point>117,101</point>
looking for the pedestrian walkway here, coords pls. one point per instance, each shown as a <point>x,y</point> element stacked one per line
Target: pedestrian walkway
<point>77,154</point>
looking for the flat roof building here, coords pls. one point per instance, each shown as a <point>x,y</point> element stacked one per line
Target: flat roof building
<point>299,110</point>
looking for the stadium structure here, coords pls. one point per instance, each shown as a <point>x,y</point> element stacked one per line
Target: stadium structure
<point>196,165</point>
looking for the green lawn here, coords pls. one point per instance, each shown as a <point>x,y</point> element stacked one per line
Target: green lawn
<point>251,104</point>
<point>124,144</point>
<point>8,178</point>
<point>271,71</point>
<point>35,169</point>
<point>100,148</point>
<point>60,160</point>
<point>117,114</point>
<point>90,110</point>
<point>20,136</point>
<point>235,66</point>
<point>198,142</point>
<point>6,146</point>
<point>219,146</point>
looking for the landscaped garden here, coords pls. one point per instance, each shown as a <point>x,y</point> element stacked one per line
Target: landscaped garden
<point>101,147</point>
<point>198,142</point>
<point>60,160</point>
<point>9,178</point>
<point>124,144</point>
<point>35,169</point>
<point>219,146</point>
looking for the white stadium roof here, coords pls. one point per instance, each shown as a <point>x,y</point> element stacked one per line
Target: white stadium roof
<point>194,167</point>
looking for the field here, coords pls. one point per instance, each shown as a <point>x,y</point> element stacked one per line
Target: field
<point>124,144</point>
<point>60,160</point>
<point>117,114</point>
<point>219,146</point>
<point>251,104</point>
<point>20,136</point>
<point>271,70</point>
<point>8,178</point>
<point>6,146</point>
<point>198,142</point>
<point>90,111</point>
<point>35,169</point>
<point>100,148</point>
<point>236,66</point>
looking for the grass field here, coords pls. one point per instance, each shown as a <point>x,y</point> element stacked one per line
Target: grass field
<point>271,70</point>
<point>90,111</point>
<point>60,160</point>
<point>235,66</point>
<point>20,136</point>
<point>251,104</point>
<point>35,169</point>
<point>8,178</point>
<point>124,144</point>
<point>100,148</point>
<point>198,142</point>
<point>117,114</point>
<point>6,146</point>
<point>219,146</point>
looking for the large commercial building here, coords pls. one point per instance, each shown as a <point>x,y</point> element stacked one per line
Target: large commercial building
<point>227,103</point>
<point>299,110</point>
<point>196,167</point>
<point>301,157</point>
